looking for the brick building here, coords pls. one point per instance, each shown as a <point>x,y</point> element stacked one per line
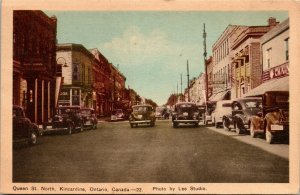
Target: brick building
<point>101,85</point>
<point>117,81</point>
<point>222,55</point>
<point>246,66</point>
<point>274,60</point>
<point>34,63</point>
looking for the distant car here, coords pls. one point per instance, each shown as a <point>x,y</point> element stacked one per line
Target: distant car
<point>89,118</point>
<point>23,129</point>
<point>210,107</point>
<point>186,113</point>
<point>242,111</point>
<point>66,118</point>
<point>142,114</point>
<point>162,113</point>
<point>223,109</point>
<point>273,121</point>
<point>117,114</point>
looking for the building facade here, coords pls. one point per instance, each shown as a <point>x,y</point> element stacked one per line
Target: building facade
<point>101,86</point>
<point>222,70</point>
<point>246,66</point>
<point>34,63</point>
<point>197,89</point>
<point>77,73</point>
<point>274,60</point>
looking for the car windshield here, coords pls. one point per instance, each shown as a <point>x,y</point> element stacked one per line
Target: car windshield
<point>86,111</point>
<point>66,110</point>
<point>186,107</point>
<point>141,109</point>
<point>253,104</point>
<point>119,111</point>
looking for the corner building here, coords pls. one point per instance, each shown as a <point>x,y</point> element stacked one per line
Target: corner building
<point>34,63</point>
<point>77,75</point>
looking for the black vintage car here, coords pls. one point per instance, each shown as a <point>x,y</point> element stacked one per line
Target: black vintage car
<point>23,128</point>
<point>273,120</point>
<point>142,114</point>
<point>242,111</point>
<point>186,113</point>
<point>89,118</point>
<point>67,119</point>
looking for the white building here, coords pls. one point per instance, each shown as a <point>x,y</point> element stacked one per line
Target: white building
<point>275,60</point>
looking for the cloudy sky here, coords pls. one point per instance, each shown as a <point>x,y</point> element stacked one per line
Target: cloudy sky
<point>152,48</point>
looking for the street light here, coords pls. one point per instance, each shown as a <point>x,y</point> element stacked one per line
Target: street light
<point>63,64</point>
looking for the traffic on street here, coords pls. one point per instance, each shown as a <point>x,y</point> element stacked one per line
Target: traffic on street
<point>115,152</point>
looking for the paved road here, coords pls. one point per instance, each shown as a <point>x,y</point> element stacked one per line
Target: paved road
<point>116,153</point>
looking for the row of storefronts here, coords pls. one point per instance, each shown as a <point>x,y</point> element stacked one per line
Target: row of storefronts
<point>47,74</point>
<point>246,61</point>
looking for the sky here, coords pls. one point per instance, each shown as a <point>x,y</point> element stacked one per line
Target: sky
<point>151,48</point>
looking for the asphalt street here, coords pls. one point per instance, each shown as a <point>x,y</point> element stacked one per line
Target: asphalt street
<point>117,153</point>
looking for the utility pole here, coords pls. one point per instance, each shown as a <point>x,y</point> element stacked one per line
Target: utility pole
<point>205,55</point>
<point>188,80</point>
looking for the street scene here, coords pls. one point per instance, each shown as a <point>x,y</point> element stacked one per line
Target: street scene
<point>150,97</point>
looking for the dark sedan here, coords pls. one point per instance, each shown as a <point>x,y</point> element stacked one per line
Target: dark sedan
<point>242,111</point>
<point>186,113</point>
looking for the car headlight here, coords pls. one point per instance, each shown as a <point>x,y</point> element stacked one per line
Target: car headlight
<point>60,119</point>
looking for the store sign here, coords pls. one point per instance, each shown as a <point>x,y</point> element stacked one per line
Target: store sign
<point>64,94</point>
<point>276,72</point>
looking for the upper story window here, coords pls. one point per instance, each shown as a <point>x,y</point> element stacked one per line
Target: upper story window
<point>268,57</point>
<point>286,45</point>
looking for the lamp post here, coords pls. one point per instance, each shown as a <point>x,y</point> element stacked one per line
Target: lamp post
<point>188,80</point>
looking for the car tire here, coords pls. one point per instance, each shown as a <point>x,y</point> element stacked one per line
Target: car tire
<point>269,136</point>
<point>239,129</point>
<point>95,126</point>
<point>131,125</point>
<point>253,134</point>
<point>175,125</point>
<point>216,124</point>
<point>224,126</point>
<point>152,124</point>
<point>81,127</point>
<point>196,124</point>
<point>70,129</point>
<point>33,138</point>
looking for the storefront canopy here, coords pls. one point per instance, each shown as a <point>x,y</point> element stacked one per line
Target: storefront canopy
<point>280,84</point>
<point>219,96</point>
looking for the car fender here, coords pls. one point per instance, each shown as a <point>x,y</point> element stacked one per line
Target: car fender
<point>256,121</point>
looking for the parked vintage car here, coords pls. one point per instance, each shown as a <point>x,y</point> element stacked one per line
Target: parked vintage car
<point>162,112</point>
<point>185,112</point>
<point>23,129</point>
<point>142,114</point>
<point>201,109</point>
<point>273,121</point>
<point>242,111</point>
<point>89,118</point>
<point>117,114</point>
<point>210,107</point>
<point>66,118</point>
<point>223,109</point>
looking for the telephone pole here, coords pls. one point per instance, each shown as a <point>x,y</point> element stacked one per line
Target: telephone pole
<point>205,55</point>
<point>188,80</point>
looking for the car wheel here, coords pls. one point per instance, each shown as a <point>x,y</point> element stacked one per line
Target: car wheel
<point>269,135</point>
<point>81,127</point>
<point>196,124</point>
<point>224,125</point>
<point>213,122</point>
<point>70,129</point>
<point>252,131</point>
<point>239,129</point>
<point>175,125</point>
<point>216,124</point>
<point>95,125</point>
<point>33,138</point>
<point>131,125</point>
<point>152,124</point>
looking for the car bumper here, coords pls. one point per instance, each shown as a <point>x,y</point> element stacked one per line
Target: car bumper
<point>140,122</point>
<point>186,121</point>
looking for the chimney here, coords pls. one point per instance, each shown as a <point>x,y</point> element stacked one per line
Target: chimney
<point>272,22</point>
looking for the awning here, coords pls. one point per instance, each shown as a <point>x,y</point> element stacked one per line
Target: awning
<point>219,96</point>
<point>280,84</point>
